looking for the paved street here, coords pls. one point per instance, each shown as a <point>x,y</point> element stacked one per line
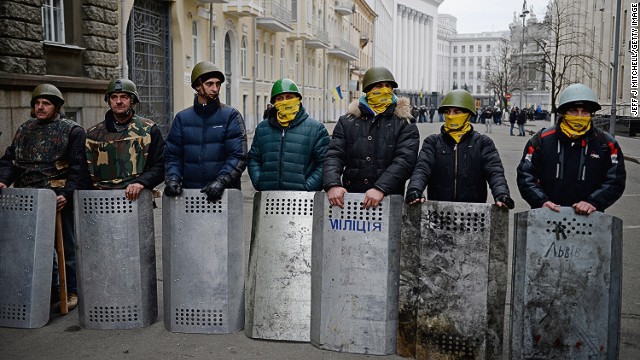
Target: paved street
<point>62,338</point>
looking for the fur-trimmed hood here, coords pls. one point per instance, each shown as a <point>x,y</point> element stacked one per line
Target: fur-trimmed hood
<point>402,110</point>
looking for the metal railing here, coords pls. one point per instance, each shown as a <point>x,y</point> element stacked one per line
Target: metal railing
<point>320,35</point>
<point>344,45</point>
<point>278,11</point>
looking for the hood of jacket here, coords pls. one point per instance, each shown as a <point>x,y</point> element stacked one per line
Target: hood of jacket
<point>402,108</point>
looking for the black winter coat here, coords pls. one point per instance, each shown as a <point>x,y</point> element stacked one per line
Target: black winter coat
<point>459,172</point>
<point>564,171</point>
<point>368,151</point>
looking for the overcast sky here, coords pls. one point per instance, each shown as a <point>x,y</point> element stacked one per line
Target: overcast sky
<point>488,15</point>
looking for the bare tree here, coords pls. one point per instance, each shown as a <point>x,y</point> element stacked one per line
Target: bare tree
<point>498,74</point>
<point>563,50</point>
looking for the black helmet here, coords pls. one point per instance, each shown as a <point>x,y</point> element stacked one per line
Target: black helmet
<point>122,85</point>
<point>205,70</point>
<point>48,92</point>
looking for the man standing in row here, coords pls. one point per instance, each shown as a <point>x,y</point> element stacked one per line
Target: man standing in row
<point>207,145</point>
<point>374,147</point>
<point>572,163</point>
<point>47,152</point>
<point>125,151</point>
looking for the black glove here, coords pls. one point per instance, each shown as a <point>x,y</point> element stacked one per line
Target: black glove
<point>413,195</point>
<point>505,199</point>
<point>213,190</point>
<point>172,188</point>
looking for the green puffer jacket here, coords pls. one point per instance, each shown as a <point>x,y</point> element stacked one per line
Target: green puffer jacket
<point>288,158</point>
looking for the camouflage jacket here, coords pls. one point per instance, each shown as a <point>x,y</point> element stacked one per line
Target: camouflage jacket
<point>119,158</point>
<point>46,154</point>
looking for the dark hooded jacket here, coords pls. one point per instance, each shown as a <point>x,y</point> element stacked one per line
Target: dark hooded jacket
<point>368,150</point>
<point>459,172</point>
<point>288,158</point>
<point>564,171</point>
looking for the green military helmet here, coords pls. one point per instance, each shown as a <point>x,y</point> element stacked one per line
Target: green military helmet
<point>122,85</point>
<point>48,92</point>
<point>284,86</point>
<point>375,75</point>
<point>578,94</point>
<point>458,98</point>
<point>205,68</point>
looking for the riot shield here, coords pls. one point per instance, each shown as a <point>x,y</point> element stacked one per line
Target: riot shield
<point>354,282</point>
<point>116,260</point>
<point>203,263</point>
<point>278,305</point>
<point>453,281</point>
<point>567,274</point>
<point>27,220</point>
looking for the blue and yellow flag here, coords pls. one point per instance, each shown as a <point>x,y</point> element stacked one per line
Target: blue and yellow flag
<point>337,93</point>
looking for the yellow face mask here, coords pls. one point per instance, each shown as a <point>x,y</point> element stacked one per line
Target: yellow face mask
<point>287,110</point>
<point>575,126</point>
<point>457,125</point>
<point>379,99</point>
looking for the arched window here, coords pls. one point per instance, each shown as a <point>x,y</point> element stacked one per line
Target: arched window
<point>243,57</point>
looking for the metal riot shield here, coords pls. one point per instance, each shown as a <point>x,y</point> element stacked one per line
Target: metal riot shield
<point>567,278</point>
<point>278,305</point>
<point>354,282</point>
<point>27,220</point>
<point>203,263</point>
<point>453,281</point>
<point>116,260</point>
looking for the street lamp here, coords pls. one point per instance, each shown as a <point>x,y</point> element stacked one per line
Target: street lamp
<point>523,16</point>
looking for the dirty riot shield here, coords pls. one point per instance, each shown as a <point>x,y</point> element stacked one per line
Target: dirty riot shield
<point>567,274</point>
<point>203,263</point>
<point>27,235</point>
<point>453,281</point>
<point>116,259</point>
<point>278,289</point>
<point>354,281</point>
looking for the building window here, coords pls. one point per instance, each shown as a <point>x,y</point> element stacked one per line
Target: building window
<point>455,49</point>
<point>488,48</point>
<point>470,75</point>
<point>479,75</point>
<point>463,61</point>
<point>243,57</point>
<point>462,49</point>
<point>461,76</point>
<point>53,20</point>
<point>478,89</point>
<point>271,64</point>
<point>470,48</point>
<point>479,48</point>
<point>471,62</point>
<point>488,62</point>
<point>194,40</point>
<point>455,62</point>
<point>282,62</point>
<point>455,75</point>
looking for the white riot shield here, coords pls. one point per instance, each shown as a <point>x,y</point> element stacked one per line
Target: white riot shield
<point>116,259</point>
<point>453,281</point>
<point>278,305</point>
<point>354,281</point>
<point>203,263</point>
<point>567,274</point>
<point>27,236</point>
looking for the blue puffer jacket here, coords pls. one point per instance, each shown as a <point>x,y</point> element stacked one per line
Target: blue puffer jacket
<point>205,143</point>
<point>288,158</point>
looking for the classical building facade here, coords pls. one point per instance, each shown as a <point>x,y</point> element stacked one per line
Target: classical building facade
<point>471,55</point>
<point>80,46</point>
<point>414,48</point>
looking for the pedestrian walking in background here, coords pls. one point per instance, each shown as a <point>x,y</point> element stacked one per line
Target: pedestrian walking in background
<point>513,115</point>
<point>521,120</point>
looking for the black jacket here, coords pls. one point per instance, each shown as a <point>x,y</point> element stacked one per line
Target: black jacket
<point>459,172</point>
<point>564,171</point>
<point>369,151</point>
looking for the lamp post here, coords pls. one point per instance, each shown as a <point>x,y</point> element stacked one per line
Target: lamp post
<point>523,16</point>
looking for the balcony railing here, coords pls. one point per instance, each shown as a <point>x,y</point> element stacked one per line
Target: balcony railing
<point>344,45</point>
<point>277,11</point>
<point>343,7</point>
<point>321,35</point>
